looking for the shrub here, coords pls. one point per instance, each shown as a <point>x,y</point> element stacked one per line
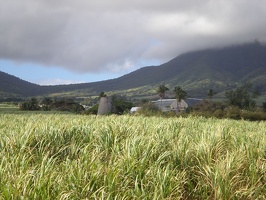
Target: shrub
<point>219,113</point>
<point>93,110</point>
<point>120,105</point>
<point>208,109</point>
<point>208,106</point>
<point>32,104</point>
<point>252,116</point>
<point>242,97</point>
<point>67,105</point>
<point>264,106</point>
<point>233,113</point>
<point>149,109</point>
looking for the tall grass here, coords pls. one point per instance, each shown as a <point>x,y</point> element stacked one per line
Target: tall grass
<point>130,157</point>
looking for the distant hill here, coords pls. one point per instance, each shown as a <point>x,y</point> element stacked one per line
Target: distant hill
<point>11,86</point>
<point>196,72</point>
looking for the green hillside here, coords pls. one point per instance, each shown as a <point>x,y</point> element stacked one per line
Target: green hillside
<point>11,86</point>
<point>220,69</point>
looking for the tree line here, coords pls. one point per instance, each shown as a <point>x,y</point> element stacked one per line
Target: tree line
<point>48,104</point>
<point>239,103</point>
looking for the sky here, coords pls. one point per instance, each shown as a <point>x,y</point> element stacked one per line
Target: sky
<point>51,42</point>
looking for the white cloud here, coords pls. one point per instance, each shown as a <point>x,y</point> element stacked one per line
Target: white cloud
<point>57,81</point>
<point>118,35</point>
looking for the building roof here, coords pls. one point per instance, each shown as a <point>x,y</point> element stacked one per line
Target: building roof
<point>193,101</point>
<point>170,104</point>
<point>134,109</point>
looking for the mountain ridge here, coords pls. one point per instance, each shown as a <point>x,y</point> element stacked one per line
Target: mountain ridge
<point>220,69</point>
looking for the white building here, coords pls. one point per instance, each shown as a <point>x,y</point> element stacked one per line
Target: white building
<point>170,105</point>
<point>134,109</point>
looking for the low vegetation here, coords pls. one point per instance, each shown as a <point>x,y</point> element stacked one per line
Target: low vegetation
<point>48,104</point>
<point>9,107</point>
<point>130,157</point>
<point>239,104</point>
<point>222,110</point>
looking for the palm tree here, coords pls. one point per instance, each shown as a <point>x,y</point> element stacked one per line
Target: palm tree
<point>180,94</point>
<point>211,93</point>
<point>161,91</point>
<point>102,94</point>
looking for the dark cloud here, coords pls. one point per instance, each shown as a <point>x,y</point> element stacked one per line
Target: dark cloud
<point>118,35</point>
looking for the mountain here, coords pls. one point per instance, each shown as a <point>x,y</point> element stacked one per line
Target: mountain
<point>11,86</point>
<point>196,72</point>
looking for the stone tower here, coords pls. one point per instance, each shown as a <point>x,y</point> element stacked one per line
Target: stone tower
<point>105,105</point>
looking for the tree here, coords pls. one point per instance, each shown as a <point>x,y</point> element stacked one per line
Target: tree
<point>67,105</point>
<point>46,103</point>
<point>241,97</point>
<point>179,94</point>
<point>24,105</point>
<point>120,105</point>
<point>32,104</point>
<point>161,92</point>
<point>102,94</point>
<point>264,106</point>
<point>93,110</point>
<point>211,93</point>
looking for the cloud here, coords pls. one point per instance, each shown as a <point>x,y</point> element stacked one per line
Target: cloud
<point>58,82</point>
<point>119,35</point>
